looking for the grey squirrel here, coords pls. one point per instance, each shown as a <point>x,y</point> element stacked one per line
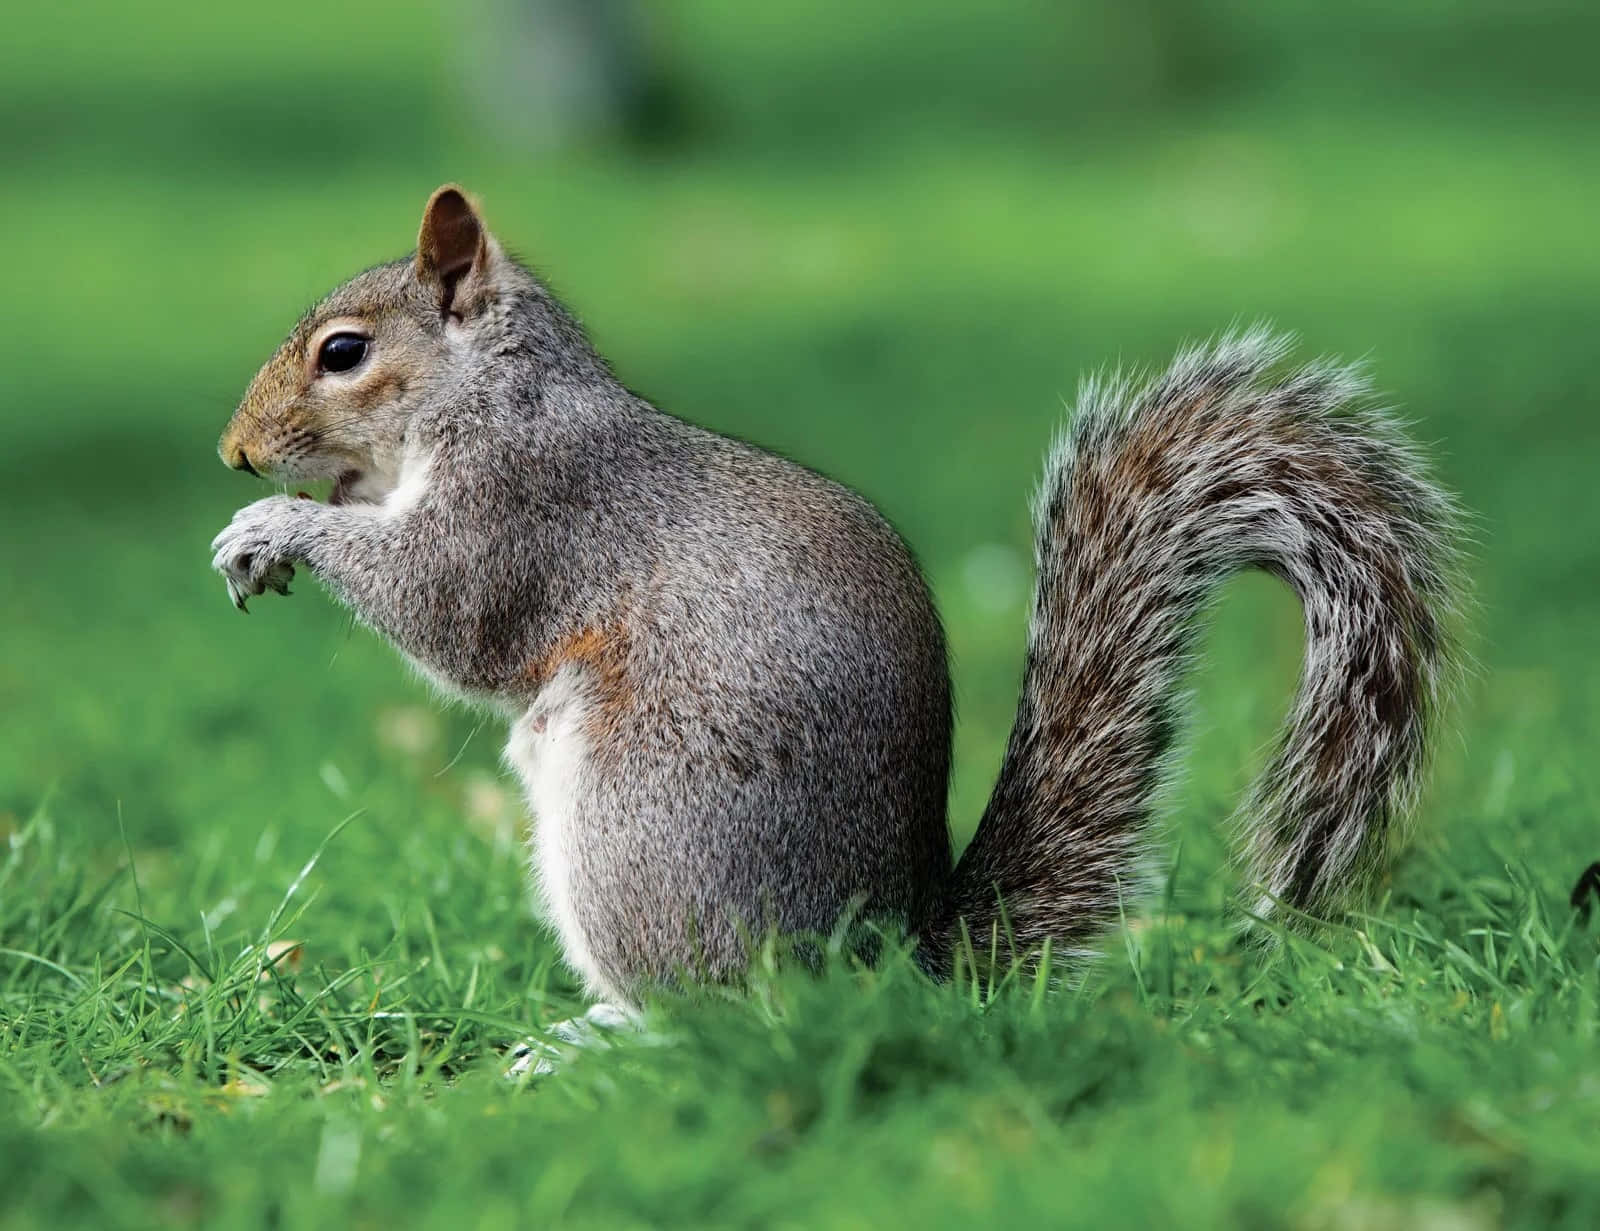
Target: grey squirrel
<point>725,679</point>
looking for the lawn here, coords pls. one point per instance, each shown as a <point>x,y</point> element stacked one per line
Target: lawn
<point>264,927</point>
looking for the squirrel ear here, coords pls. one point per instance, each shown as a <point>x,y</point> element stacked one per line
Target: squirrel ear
<point>452,247</point>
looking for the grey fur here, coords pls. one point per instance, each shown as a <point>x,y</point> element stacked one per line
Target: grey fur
<point>757,667</point>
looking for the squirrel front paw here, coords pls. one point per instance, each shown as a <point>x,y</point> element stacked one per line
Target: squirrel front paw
<point>254,553</point>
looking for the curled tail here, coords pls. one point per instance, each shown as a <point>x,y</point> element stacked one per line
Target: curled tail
<point>1154,498</point>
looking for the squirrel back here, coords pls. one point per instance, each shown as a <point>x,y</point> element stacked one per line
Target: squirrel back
<point>726,681</point>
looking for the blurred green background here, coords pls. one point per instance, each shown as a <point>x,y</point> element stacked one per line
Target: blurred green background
<point>883,239</point>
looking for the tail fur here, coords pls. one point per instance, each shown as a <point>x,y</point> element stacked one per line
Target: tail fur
<point>1155,496</point>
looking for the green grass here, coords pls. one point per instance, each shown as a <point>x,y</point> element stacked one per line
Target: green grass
<point>904,302</point>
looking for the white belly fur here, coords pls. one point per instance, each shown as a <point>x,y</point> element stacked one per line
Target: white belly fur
<point>548,749</point>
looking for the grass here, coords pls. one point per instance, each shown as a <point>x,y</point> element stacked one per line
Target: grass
<point>264,928</point>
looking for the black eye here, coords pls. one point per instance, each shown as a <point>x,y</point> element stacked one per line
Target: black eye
<point>342,352</point>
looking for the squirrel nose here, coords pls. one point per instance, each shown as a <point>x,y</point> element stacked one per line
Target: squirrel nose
<point>235,456</point>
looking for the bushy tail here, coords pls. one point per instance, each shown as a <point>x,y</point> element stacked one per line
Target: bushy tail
<point>1151,501</point>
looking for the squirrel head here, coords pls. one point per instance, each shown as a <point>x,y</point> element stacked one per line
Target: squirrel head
<point>336,399</point>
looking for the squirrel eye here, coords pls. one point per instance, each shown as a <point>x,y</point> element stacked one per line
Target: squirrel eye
<point>341,352</point>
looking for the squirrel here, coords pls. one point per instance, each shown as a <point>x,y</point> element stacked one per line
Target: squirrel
<point>724,675</point>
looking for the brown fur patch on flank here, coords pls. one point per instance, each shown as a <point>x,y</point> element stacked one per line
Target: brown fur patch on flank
<point>601,653</point>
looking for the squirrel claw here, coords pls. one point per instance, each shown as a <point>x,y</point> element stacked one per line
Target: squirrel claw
<point>596,1030</point>
<point>277,579</point>
<point>250,552</point>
